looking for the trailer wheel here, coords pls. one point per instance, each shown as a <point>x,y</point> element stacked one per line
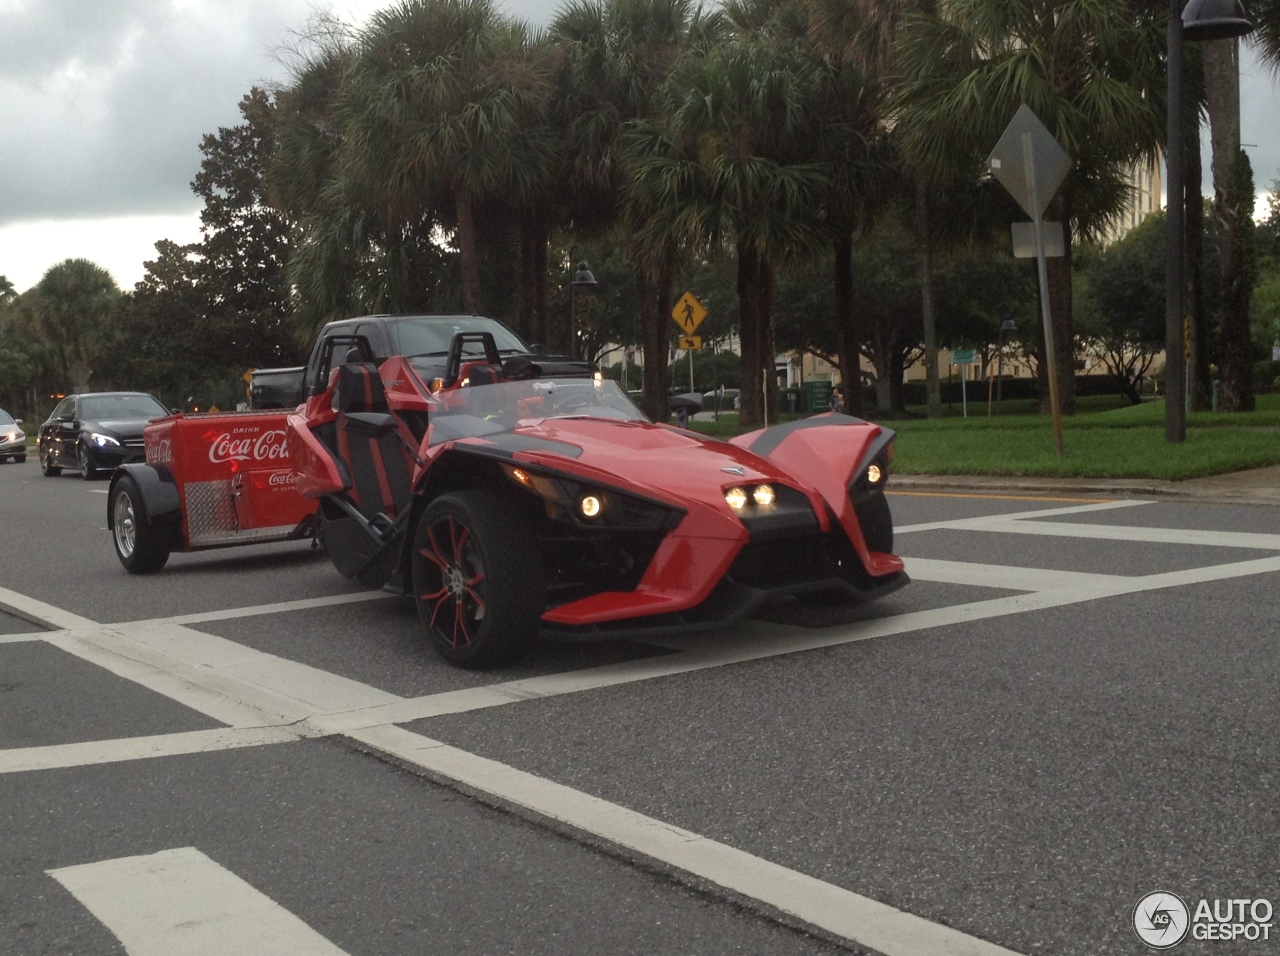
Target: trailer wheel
<point>138,544</point>
<point>477,579</point>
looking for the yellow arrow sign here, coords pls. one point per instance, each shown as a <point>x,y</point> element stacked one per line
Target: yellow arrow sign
<point>690,343</point>
<point>688,313</point>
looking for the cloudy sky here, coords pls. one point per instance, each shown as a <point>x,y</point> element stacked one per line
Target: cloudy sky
<point>103,104</point>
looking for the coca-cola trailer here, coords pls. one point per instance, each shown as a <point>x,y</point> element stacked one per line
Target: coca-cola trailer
<point>208,481</point>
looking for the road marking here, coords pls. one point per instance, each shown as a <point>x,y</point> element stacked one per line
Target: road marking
<point>22,638</point>
<point>32,610</point>
<point>957,494</point>
<point>92,752</point>
<point>1024,515</point>
<point>282,607</point>
<point>180,901</point>
<point>1094,532</point>
<point>832,908</point>
<point>999,576</point>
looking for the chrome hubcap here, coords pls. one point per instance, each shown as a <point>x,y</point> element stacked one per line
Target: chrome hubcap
<point>123,525</point>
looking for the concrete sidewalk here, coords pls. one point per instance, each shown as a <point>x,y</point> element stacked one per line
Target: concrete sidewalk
<point>1255,486</point>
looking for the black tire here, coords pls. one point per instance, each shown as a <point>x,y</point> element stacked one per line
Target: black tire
<point>47,466</point>
<point>20,459</point>
<point>138,544</point>
<point>477,579</point>
<point>87,471</point>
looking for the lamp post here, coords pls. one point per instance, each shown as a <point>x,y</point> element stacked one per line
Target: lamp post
<point>581,279</point>
<point>1006,326</point>
<point>1201,20</point>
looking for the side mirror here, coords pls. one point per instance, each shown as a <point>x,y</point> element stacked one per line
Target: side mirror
<point>17,421</point>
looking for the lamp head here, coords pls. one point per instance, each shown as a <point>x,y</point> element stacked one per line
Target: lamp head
<point>583,276</point>
<point>1214,20</point>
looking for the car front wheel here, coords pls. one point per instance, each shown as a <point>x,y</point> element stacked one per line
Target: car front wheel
<point>47,466</point>
<point>87,470</point>
<point>477,578</point>
<point>138,544</point>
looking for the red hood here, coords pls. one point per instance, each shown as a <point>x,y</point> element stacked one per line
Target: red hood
<point>663,461</point>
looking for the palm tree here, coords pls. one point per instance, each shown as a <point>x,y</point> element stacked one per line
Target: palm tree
<point>72,299</point>
<point>615,56</point>
<point>728,161</point>
<point>443,99</point>
<point>1092,70</point>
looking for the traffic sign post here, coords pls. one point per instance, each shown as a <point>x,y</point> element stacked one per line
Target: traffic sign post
<point>1031,164</point>
<point>964,358</point>
<point>688,314</point>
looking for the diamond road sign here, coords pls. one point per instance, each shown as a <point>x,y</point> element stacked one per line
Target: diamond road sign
<point>1027,153</point>
<point>688,313</point>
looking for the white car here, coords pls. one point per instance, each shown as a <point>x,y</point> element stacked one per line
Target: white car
<point>13,443</point>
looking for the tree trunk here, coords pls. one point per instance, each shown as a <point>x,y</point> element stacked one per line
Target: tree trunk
<point>1193,217</point>
<point>467,255</point>
<point>848,334</point>
<point>752,408</point>
<point>655,348</point>
<point>528,275</point>
<point>542,279</point>
<point>932,387</point>
<point>1222,88</point>
<point>768,352</point>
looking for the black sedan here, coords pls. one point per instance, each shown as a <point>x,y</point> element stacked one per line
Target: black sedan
<point>96,431</point>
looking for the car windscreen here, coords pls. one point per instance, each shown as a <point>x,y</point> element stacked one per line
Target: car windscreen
<point>433,335</point>
<point>6,418</point>
<point>478,410</point>
<point>110,408</point>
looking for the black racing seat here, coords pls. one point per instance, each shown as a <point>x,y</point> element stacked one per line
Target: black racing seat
<point>372,445</point>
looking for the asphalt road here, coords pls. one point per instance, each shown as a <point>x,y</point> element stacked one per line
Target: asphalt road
<point>1073,705</point>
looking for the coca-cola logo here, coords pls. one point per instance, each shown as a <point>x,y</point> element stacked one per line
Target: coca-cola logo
<point>160,452</point>
<point>269,446</point>
<point>281,479</point>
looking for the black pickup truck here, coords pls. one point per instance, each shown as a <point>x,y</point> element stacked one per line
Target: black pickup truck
<point>424,338</point>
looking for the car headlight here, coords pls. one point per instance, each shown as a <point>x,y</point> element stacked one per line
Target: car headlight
<point>102,441</point>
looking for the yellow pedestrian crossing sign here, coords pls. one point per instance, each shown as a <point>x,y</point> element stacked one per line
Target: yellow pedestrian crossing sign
<point>690,343</point>
<point>688,313</point>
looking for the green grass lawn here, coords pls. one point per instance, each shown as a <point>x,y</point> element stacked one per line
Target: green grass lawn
<point>1106,438</point>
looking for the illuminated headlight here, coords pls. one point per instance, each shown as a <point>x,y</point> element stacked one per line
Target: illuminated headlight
<point>763,495</point>
<point>102,441</point>
<point>590,505</point>
<point>598,378</point>
<point>736,498</point>
<point>874,475</point>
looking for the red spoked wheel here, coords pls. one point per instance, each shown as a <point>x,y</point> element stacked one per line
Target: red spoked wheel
<point>477,578</point>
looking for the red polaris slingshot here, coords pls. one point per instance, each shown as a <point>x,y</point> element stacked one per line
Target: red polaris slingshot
<point>512,499</point>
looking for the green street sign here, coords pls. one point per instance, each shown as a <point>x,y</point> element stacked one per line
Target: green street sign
<point>962,357</point>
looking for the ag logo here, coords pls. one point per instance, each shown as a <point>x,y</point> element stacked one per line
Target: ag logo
<point>1161,920</point>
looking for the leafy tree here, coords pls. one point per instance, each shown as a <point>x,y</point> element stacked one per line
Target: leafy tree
<point>239,264</point>
<point>1123,314</point>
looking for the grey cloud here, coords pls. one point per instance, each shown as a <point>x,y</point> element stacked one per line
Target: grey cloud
<point>102,105</point>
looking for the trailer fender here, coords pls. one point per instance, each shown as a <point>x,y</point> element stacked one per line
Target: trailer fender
<point>162,505</point>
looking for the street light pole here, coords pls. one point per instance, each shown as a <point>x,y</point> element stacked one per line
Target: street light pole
<point>1202,20</point>
<point>582,278</point>
<point>1175,410</point>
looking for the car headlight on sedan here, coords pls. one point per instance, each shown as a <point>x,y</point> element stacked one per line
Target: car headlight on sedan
<point>102,441</point>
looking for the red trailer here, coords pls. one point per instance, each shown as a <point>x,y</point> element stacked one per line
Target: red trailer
<point>208,481</point>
